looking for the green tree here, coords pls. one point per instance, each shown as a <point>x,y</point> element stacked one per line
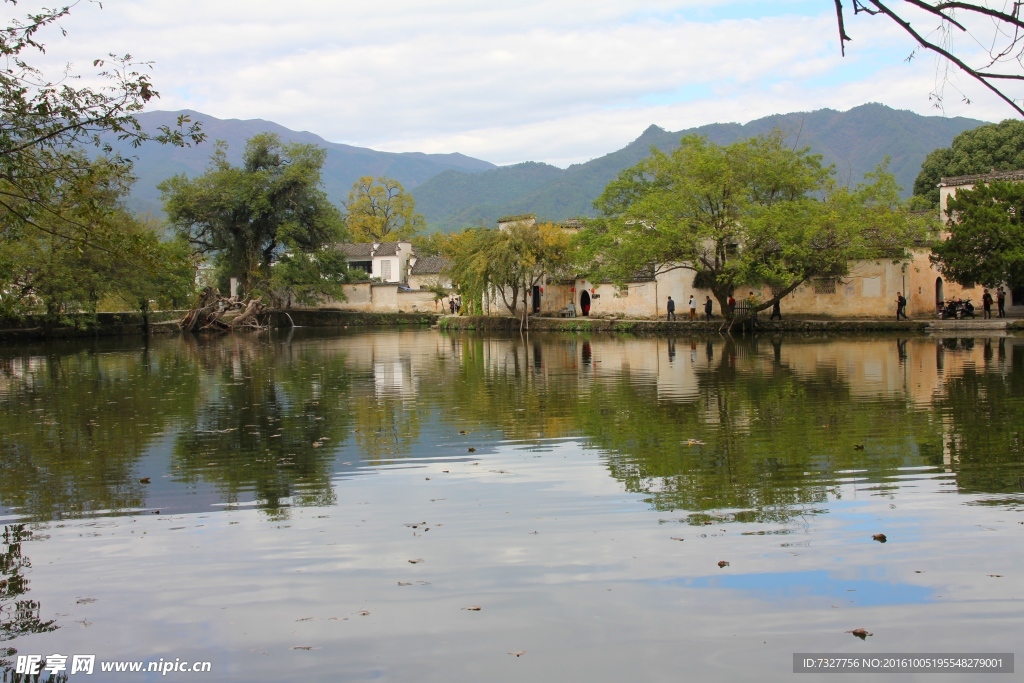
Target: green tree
<point>245,217</point>
<point>753,212</point>
<point>507,263</point>
<point>994,147</point>
<point>52,272</point>
<point>986,242</point>
<point>380,210</point>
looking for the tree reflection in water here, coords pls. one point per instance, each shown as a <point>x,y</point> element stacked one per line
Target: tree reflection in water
<point>18,616</point>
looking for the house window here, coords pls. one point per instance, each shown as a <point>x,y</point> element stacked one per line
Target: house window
<point>824,286</point>
<point>385,270</point>
<point>365,266</point>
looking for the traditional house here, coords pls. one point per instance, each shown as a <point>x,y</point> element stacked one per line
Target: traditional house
<point>386,261</point>
<point>429,272</point>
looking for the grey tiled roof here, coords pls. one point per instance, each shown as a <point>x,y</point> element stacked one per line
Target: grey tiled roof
<point>430,265</point>
<point>972,179</point>
<point>357,251</point>
<point>386,249</point>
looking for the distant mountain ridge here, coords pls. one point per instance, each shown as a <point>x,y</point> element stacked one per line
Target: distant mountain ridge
<point>345,163</point>
<point>856,141</point>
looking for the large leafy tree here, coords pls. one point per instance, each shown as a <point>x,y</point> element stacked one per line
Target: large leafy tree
<point>47,271</point>
<point>994,147</point>
<point>753,212</point>
<point>380,210</point>
<point>986,236</point>
<point>246,217</point>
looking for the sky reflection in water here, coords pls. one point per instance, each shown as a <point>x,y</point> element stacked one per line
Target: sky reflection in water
<point>293,478</point>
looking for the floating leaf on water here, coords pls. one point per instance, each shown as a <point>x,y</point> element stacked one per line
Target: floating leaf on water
<point>996,576</point>
<point>693,442</point>
<point>306,619</point>
<point>861,633</point>
<point>363,612</point>
<point>472,450</point>
<point>304,647</point>
<point>676,538</point>
<point>416,561</point>
<point>405,583</point>
<point>722,564</point>
<point>472,608</point>
<point>518,653</point>
<point>144,480</point>
<point>463,431</point>
<point>879,537</point>
<point>858,446</point>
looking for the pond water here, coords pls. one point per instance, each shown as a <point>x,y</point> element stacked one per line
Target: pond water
<point>329,505</point>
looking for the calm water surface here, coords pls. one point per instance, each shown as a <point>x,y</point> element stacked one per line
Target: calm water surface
<point>232,499</point>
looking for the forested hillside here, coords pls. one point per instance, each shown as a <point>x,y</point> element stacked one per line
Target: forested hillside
<point>345,163</point>
<point>854,141</point>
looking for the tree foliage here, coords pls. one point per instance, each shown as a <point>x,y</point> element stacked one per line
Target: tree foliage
<point>753,212</point>
<point>507,263</point>
<point>45,120</point>
<point>246,217</point>
<point>380,210</point>
<point>986,241</point>
<point>994,147</point>
<point>47,271</point>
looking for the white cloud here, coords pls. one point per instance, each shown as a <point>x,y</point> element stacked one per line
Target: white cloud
<point>558,82</point>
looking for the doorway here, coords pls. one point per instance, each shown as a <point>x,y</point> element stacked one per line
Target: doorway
<point>940,293</point>
<point>536,298</point>
<point>585,303</point>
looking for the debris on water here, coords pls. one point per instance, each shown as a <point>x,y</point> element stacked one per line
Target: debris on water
<point>918,571</point>
<point>722,564</point>
<point>879,537</point>
<point>463,431</point>
<point>306,619</point>
<point>472,450</point>
<point>518,653</point>
<point>861,633</point>
<point>363,612</point>
<point>858,446</point>
<point>304,647</point>
<point>428,478</point>
<point>416,561</point>
<point>533,533</point>
<point>472,608</point>
<point>677,538</point>
<point>693,442</point>
<point>996,576</point>
<point>405,583</point>
<point>144,480</point>
<point>338,619</point>
<point>85,601</point>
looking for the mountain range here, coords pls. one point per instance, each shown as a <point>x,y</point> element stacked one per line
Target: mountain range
<point>454,190</point>
<point>345,163</point>
<point>855,141</point>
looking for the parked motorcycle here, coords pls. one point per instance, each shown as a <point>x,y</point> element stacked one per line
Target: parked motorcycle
<point>957,309</point>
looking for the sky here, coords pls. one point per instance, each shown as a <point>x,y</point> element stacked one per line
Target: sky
<point>560,81</point>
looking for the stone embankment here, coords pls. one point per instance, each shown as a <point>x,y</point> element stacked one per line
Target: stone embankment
<point>702,327</point>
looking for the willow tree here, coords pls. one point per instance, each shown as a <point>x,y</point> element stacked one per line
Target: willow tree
<point>509,262</point>
<point>245,217</point>
<point>756,212</point>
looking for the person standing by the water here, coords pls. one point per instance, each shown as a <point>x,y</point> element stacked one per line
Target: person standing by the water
<point>670,309</point>
<point>731,303</point>
<point>986,305</point>
<point>901,305</point>
<point>451,305</point>
<point>708,307</point>
<point>1001,301</point>
<point>693,308</point>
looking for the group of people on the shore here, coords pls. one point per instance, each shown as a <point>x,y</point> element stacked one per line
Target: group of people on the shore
<point>454,304</point>
<point>670,309</point>
<point>986,304</point>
